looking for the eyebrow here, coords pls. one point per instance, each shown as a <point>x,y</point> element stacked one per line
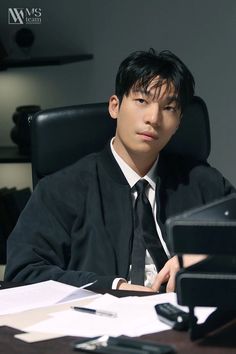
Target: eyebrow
<point>170,99</point>
<point>166,100</point>
<point>143,92</point>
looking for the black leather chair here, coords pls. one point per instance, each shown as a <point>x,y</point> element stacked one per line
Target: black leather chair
<point>61,136</point>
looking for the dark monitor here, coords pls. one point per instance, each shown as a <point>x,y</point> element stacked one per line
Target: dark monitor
<point>209,229</point>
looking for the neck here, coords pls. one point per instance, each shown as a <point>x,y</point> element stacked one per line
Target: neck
<point>141,163</point>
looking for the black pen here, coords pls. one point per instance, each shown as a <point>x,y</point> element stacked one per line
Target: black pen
<point>94,312</point>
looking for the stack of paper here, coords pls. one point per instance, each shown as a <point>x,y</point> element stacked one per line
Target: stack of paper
<point>42,294</point>
<point>135,316</point>
<point>44,310</point>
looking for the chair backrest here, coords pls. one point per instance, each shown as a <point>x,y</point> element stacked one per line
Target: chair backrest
<point>61,136</point>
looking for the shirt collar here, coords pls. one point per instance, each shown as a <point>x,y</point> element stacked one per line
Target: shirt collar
<point>131,176</point>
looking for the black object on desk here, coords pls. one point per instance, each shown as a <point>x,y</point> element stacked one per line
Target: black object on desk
<point>210,230</point>
<point>121,345</point>
<point>173,316</point>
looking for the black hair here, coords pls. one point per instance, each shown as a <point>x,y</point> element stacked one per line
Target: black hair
<point>139,69</point>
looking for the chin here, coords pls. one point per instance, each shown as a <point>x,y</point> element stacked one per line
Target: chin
<point>148,149</point>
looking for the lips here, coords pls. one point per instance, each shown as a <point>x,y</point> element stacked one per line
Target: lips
<point>149,135</point>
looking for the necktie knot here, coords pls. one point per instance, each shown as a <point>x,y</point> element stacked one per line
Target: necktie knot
<point>141,185</point>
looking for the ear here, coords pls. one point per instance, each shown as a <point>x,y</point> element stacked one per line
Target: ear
<point>114,106</point>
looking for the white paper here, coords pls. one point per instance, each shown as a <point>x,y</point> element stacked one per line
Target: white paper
<point>135,316</point>
<point>38,295</point>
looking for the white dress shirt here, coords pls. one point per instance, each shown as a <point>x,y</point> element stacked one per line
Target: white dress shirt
<point>132,178</point>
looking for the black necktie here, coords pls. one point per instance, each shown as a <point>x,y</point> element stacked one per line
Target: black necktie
<point>145,236</point>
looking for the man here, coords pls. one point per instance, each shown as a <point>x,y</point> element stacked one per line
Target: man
<point>83,224</point>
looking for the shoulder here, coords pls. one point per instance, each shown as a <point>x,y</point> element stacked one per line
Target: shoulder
<point>75,173</point>
<point>70,183</point>
<point>189,167</point>
<point>197,175</point>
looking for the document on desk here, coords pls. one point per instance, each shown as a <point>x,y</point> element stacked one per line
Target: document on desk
<point>42,294</point>
<point>135,316</point>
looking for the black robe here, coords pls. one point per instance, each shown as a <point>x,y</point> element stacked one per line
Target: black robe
<point>77,227</point>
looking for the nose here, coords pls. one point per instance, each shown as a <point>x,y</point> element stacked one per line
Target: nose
<point>153,115</point>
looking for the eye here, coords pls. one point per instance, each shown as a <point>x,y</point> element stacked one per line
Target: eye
<point>170,109</point>
<point>140,100</point>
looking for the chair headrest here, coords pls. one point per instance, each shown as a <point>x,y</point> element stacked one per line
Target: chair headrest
<point>193,136</point>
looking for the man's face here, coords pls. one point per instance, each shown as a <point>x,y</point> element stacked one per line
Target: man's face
<point>145,121</point>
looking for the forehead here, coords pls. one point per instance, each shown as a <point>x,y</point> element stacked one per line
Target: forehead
<point>156,89</point>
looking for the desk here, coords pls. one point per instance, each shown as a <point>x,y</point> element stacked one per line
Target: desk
<point>223,342</point>
<point>181,341</point>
